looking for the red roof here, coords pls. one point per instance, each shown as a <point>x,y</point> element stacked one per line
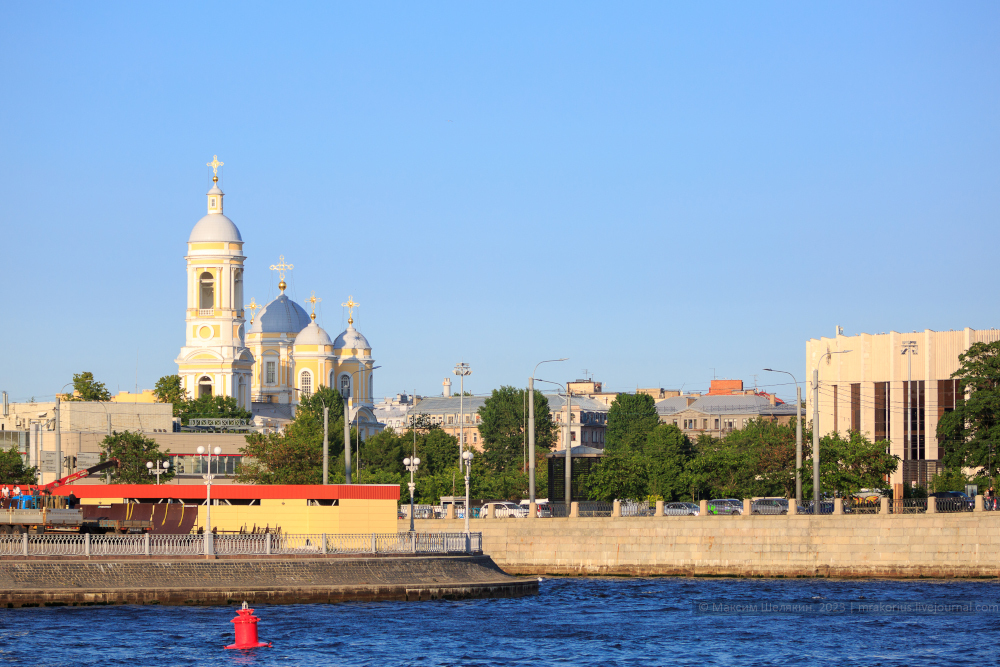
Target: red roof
<point>235,491</point>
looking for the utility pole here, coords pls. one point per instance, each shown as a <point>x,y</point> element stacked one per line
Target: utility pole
<point>326,445</point>
<point>531,429</point>
<point>347,438</point>
<point>58,441</point>
<point>461,370</point>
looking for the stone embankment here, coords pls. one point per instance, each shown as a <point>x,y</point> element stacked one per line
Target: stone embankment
<point>50,582</point>
<point>874,545</point>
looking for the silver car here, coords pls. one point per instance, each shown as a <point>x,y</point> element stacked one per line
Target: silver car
<point>725,506</point>
<point>681,509</point>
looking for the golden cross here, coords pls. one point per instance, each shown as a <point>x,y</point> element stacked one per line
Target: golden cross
<point>252,307</point>
<point>215,164</point>
<point>313,300</point>
<point>281,267</point>
<point>350,305</point>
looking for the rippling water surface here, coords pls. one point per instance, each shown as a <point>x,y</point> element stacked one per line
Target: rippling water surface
<point>571,621</point>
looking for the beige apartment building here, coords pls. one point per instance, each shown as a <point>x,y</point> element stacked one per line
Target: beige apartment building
<point>891,386</point>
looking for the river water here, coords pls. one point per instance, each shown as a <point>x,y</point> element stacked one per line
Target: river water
<point>670,621</point>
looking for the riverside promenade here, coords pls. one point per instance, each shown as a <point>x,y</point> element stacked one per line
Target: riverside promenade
<point>56,570</point>
<point>904,545</point>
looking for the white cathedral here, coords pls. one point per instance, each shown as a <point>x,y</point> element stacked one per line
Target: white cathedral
<point>283,355</point>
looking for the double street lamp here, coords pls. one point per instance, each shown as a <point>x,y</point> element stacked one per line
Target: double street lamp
<point>461,370</point>
<point>158,470</point>
<point>411,465</point>
<point>208,496</point>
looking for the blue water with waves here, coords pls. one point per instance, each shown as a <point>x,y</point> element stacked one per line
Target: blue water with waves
<point>571,622</point>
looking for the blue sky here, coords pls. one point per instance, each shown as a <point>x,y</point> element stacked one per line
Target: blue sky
<point>654,190</point>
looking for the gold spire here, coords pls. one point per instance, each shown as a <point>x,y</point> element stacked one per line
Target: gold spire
<point>313,300</point>
<point>281,267</point>
<point>215,164</point>
<point>252,307</point>
<point>350,305</point>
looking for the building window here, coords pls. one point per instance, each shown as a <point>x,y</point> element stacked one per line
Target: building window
<point>572,437</point>
<point>238,289</point>
<point>207,291</point>
<point>451,419</point>
<point>882,411</point>
<point>212,202</point>
<point>205,386</point>
<point>306,383</point>
<point>856,407</point>
<point>345,386</point>
<point>915,422</point>
<point>716,423</point>
<point>269,372</point>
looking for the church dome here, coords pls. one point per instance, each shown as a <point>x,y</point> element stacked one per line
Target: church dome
<point>352,340</point>
<point>281,316</point>
<point>215,227</point>
<point>313,335</point>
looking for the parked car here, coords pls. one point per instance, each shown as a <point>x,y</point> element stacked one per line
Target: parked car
<point>725,506</point>
<point>542,507</point>
<point>503,510</point>
<point>953,501</point>
<point>769,506</point>
<point>681,509</point>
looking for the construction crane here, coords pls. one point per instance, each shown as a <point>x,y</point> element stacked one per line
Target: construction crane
<point>68,479</point>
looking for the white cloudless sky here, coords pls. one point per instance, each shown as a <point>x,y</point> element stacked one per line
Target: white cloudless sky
<point>659,191</point>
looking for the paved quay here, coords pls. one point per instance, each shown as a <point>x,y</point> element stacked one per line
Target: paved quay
<point>934,545</point>
<point>55,582</point>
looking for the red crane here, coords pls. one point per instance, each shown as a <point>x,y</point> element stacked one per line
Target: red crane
<point>48,488</point>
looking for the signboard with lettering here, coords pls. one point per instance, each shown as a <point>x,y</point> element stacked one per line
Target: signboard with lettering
<point>86,460</point>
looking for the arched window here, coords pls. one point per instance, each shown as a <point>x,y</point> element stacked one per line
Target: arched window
<point>205,386</point>
<point>345,386</point>
<point>238,289</point>
<point>306,383</point>
<point>207,291</point>
<point>333,379</point>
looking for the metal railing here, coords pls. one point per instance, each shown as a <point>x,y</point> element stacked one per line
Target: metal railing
<point>907,505</point>
<point>954,504</point>
<point>859,506</point>
<point>239,545</point>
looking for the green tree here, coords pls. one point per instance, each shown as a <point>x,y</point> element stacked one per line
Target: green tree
<point>211,406</point>
<point>948,480</point>
<point>771,450</point>
<point>13,470</point>
<point>631,418</point>
<point>133,450</point>
<point>437,451</point>
<point>503,428</point>
<point>168,389</point>
<point>295,455</point>
<point>86,388</point>
<point>721,468</point>
<point>622,474</point>
<point>970,434</point>
<point>847,465</point>
<point>668,452</point>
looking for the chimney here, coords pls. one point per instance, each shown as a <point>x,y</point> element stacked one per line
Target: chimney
<point>770,398</point>
<point>447,387</point>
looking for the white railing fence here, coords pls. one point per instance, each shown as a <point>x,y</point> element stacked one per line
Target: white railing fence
<point>239,545</point>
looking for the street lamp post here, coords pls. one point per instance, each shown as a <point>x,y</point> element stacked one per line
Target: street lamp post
<point>798,435</point>
<point>816,427</point>
<point>461,370</point>
<point>467,458</point>
<point>347,428</point>
<point>568,447</point>
<point>531,430</point>
<point>59,464</point>
<point>411,465</point>
<point>158,470</point>
<point>209,545</point>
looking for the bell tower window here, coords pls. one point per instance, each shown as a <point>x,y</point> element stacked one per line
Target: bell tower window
<point>207,300</point>
<point>306,383</point>
<point>204,386</point>
<point>345,386</point>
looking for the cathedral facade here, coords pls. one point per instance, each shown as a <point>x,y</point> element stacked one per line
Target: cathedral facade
<point>283,354</point>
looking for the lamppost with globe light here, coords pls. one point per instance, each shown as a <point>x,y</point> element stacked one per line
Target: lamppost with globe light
<point>411,465</point>
<point>208,495</point>
<point>467,456</point>
<point>158,470</point>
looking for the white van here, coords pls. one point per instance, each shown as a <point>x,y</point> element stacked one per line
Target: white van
<point>543,509</point>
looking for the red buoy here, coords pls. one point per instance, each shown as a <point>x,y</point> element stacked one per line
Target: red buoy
<point>246,629</point>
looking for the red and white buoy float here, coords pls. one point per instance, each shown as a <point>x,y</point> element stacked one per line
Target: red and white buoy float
<point>245,624</point>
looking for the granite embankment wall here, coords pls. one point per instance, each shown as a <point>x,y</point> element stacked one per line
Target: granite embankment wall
<point>899,546</point>
<point>34,582</point>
